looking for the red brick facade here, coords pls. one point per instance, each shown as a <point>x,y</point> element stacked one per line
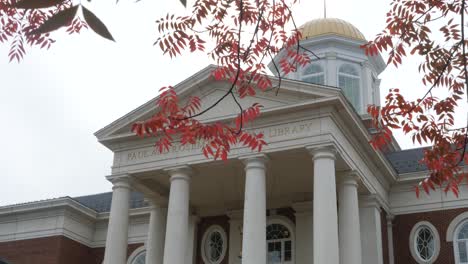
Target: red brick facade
<point>53,250</point>
<point>402,225</point>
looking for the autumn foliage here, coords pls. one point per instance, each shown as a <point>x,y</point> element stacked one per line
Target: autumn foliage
<point>28,23</point>
<point>241,58</point>
<point>242,36</point>
<point>434,31</point>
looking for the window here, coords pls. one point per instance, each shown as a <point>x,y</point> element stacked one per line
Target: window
<point>279,244</point>
<point>214,245</point>
<point>348,81</point>
<point>138,256</point>
<point>314,74</point>
<point>461,243</point>
<point>424,242</point>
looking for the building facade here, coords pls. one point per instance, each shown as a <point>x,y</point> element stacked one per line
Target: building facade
<point>318,193</point>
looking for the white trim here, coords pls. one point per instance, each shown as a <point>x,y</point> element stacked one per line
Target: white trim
<point>412,243</point>
<point>135,254</point>
<point>323,73</point>
<point>455,240</point>
<point>340,65</point>
<point>210,230</point>
<point>282,220</point>
<point>454,225</point>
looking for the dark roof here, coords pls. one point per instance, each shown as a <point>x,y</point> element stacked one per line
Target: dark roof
<point>101,202</point>
<point>406,161</point>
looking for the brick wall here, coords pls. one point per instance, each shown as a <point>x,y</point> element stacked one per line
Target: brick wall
<point>53,250</point>
<point>402,225</point>
<point>31,251</point>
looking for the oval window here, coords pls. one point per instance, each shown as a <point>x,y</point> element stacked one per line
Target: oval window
<point>214,245</point>
<point>424,243</point>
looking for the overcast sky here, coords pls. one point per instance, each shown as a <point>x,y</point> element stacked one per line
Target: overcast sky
<point>53,101</point>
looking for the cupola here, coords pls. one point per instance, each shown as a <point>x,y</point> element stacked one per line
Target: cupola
<point>342,62</point>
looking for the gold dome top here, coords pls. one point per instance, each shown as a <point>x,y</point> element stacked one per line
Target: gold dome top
<point>330,26</point>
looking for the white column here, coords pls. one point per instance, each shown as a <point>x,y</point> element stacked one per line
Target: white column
<point>391,255</point>
<point>348,225</point>
<point>371,230</point>
<point>326,249</point>
<point>254,238</point>
<point>331,72</point>
<point>117,231</point>
<point>156,233</point>
<point>176,242</point>
<point>304,232</point>
<point>235,236</point>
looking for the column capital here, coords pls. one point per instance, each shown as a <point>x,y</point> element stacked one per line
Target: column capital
<point>303,208</point>
<point>120,181</point>
<point>155,202</point>
<point>328,152</point>
<point>330,55</point>
<point>254,161</point>
<point>182,172</point>
<point>369,201</point>
<point>365,64</point>
<point>235,214</point>
<point>390,218</point>
<point>349,178</point>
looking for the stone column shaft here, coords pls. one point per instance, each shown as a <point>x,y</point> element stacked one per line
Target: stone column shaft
<point>176,243</point>
<point>371,230</point>
<point>117,231</point>
<point>326,249</point>
<point>349,226</point>
<point>254,238</point>
<point>235,236</point>
<point>156,233</point>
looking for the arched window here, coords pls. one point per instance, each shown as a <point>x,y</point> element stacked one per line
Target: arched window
<point>460,243</point>
<point>314,74</point>
<point>138,256</point>
<point>279,243</point>
<point>348,81</point>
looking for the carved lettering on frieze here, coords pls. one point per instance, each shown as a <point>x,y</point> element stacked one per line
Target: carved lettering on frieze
<point>274,132</point>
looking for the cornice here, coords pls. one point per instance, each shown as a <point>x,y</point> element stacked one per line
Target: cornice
<point>65,202</point>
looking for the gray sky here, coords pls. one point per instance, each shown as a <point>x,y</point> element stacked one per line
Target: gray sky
<point>53,101</point>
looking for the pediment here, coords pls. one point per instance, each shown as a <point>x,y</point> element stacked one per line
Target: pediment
<point>209,91</point>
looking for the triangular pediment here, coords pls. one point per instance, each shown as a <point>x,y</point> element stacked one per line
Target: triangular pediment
<point>209,91</point>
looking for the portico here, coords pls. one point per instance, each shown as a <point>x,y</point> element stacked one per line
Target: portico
<point>321,181</point>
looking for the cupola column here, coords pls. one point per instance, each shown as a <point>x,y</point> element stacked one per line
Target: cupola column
<point>331,73</point>
<point>117,231</point>
<point>325,219</point>
<point>177,228</point>
<point>254,238</point>
<point>348,219</point>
